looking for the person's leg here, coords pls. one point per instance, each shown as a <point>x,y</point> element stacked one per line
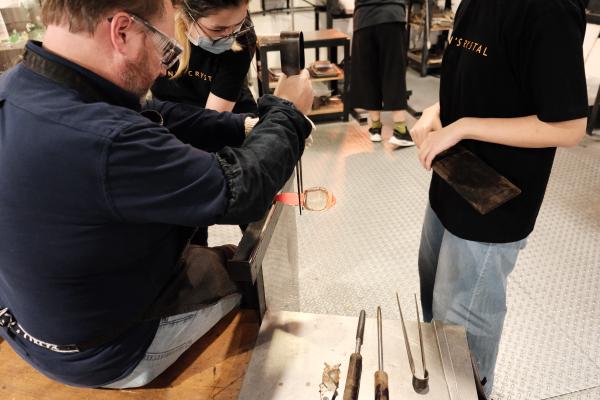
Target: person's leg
<point>375,116</point>
<point>431,241</point>
<point>393,70</point>
<point>174,336</point>
<point>365,86</point>
<point>470,290</point>
<point>399,116</point>
<point>401,135</point>
<point>376,126</point>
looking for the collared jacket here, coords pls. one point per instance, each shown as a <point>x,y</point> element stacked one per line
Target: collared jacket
<point>95,198</point>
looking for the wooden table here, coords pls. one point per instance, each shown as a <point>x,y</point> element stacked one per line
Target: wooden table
<point>213,368</point>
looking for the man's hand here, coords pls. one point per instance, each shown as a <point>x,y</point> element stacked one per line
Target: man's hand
<point>439,140</point>
<point>429,121</point>
<point>296,89</point>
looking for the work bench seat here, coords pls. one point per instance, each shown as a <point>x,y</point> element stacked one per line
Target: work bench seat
<point>213,368</point>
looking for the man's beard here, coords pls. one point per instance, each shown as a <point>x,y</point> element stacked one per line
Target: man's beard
<point>136,77</point>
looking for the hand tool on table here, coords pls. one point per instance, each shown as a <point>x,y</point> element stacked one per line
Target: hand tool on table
<point>381,377</point>
<point>478,183</point>
<point>420,385</point>
<point>292,63</point>
<point>355,366</point>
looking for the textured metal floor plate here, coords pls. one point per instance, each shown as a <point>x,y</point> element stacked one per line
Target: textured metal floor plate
<point>589,394</point>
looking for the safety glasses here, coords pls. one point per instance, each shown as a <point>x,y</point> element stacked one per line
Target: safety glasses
<point>169,49</point>
<point>240,29</point>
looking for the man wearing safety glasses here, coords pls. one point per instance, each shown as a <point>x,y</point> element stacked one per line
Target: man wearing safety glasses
<point>100,193</point>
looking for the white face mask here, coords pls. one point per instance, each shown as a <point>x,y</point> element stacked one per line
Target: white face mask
<point>208,44</point>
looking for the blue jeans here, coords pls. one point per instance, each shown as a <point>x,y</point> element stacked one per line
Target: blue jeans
<point>464,283</point>
<point>174,336</point>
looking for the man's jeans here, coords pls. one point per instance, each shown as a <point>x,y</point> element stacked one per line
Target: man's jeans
<point>464,283</point>
<point>174,336</point>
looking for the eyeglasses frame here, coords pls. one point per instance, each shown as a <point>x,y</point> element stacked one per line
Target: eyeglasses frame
<point>235,34</point>
<point>173,46</point>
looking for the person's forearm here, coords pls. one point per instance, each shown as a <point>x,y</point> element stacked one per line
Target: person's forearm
<point>522,132</point>
<point>260,168</point>
<point>434,108</point>
<point>527,132</point>
<point>204,129</point>
<point>219,104</point>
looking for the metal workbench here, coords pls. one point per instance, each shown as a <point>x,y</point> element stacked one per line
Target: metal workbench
<point>291,349</point>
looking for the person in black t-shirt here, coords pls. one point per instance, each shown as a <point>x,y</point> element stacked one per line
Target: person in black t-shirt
<point>378,76</point>
<point>219,43</point>
<point>512,90</point>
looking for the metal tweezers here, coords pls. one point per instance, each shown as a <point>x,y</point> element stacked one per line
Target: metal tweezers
<point>420,385</point>
<point>299,183</point>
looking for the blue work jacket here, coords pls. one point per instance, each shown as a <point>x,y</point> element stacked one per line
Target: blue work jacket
<point>97,201</point>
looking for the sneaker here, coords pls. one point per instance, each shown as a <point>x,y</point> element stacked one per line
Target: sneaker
<point>375,134</point>
<point>401,139</point>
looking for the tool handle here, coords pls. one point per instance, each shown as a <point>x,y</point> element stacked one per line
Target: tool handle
<point>353,378</point>
<point>381,386</point>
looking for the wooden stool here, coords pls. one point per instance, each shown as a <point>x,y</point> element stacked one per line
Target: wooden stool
<point>213,368</point>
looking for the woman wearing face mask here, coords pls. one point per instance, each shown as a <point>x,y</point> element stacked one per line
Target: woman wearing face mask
<point>219,43</point>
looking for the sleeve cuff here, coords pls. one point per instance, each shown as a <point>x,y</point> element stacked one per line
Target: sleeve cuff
<point>266,102</point>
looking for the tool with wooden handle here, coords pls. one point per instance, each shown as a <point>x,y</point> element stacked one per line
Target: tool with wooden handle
<point>355,367</point>
<point>381,378</point>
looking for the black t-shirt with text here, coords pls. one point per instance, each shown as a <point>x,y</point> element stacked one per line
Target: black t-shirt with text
<point>221,74</point>
<point>508,59</point>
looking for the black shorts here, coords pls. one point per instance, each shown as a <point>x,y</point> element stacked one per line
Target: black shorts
<point>378,77</point>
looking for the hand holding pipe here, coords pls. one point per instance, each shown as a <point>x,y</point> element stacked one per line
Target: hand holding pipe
<point>292,52</point>
<point>292,63</point>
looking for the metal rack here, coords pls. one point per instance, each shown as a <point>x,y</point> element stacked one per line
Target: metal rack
<point>424,59</point>
<point>329,39</point>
